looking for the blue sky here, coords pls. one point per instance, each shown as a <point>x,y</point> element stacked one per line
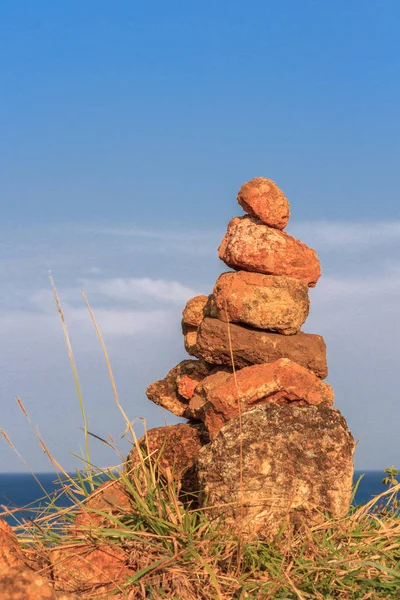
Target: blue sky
<point>126,130</point>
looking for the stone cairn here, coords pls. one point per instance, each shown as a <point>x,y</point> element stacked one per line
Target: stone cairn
<point>262,444</point>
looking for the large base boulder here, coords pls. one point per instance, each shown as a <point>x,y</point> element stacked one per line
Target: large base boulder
<point>278,464</point>
<point>218,342</point>
<point>252,246</point>
<point>262,301</point>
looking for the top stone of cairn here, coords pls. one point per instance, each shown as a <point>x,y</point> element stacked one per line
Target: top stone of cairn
<point>261,197</point>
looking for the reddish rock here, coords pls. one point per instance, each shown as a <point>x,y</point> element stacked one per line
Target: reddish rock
<point>263,301</point>
<point>24,584</point>
<point>111,498</point>
<point>10,551</point>
<point>168,391</point>
<point>278,464</point>
<point>175,448</point>
<point>282,382</point>
<point>192,314</point>
<point>190,339</point>
<point>262,198</point>
<point>252,246</point>
<point>254,346</point>
<point>95,570</point>
<point>204,389</point>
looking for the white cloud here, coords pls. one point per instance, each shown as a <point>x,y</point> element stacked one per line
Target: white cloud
<point>355,235</point>
<point>141,289</point>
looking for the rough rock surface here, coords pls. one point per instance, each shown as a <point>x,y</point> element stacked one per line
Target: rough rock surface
<point>252,246</point>
<point>175,447</point>
<point>281,382</point>
<point>174,391</point>
<point>111,498</point>
<point>296,462</point>
<point>10,551</point>
<point>89,569</point>
<point>262,198</point>
<point>192,314</point>
<point>24,584</point>
<point>264,301</point>
<point>253,346</point>
<point>190,340</point>
<point>203,391</point>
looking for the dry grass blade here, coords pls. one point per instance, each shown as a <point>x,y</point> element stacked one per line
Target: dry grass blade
<point>73,366</point>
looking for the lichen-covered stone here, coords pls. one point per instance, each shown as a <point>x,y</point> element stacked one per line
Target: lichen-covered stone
<point>252,246</point>
<point>176,448</point>
<point>281,382</point>
<point>278,463</point>
<point>262,301</point>
<point>261,197</point>
<point>250,346</point>
<point>173,392</point>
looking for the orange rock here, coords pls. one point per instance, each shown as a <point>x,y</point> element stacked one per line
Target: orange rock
<point>281,382</point>
<point>24,584</point>
<point>219,342</point>
<point>264,301</point>
<point>167,392</point>
<point>204,389</point>
<point>175,448</point>
<point>253,246</point>
<point>89,568</point>
<point>192,314</point>
<point>10,551</point>
<point>190,340</point>
<point>262,198</point>
<point>112,498</point>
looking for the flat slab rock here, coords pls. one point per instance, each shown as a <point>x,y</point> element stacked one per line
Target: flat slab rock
<point>251,245</point>
<point>262,198</point>
<point>281,382</point>
<point>253,346</point>
<point>263,301</point>
<point>296,463</point>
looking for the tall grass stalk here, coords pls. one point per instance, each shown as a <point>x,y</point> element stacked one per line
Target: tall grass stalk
<point>73,368</point>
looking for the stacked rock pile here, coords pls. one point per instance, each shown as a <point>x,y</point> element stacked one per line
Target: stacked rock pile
<point>262,442</point>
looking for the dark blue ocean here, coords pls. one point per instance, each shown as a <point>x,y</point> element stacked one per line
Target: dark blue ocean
<point>18,490</point>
